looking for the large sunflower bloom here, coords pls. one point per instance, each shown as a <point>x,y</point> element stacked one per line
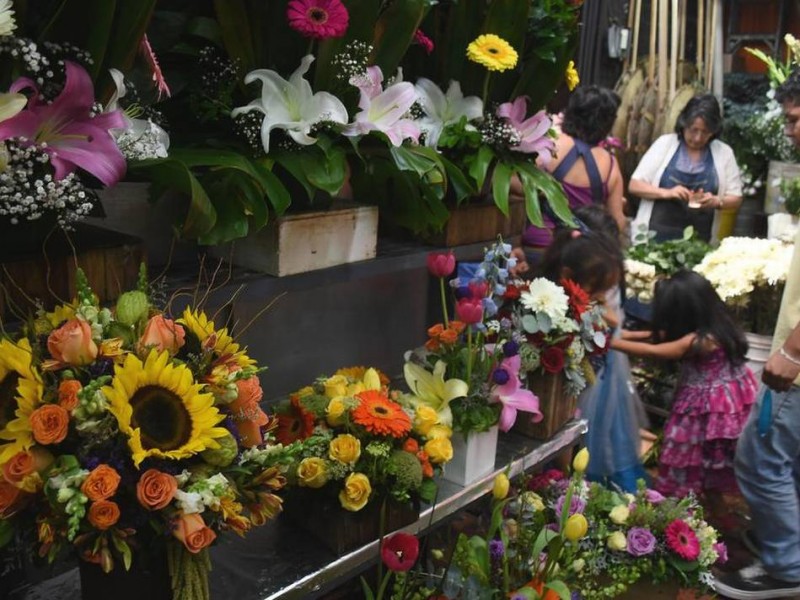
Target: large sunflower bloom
<point>224,346</point>
<point>381,416</point>
<point>20,394</point>
<point>162,409</point>
<point>493,52</point>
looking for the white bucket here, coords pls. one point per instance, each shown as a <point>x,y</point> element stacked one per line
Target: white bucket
<point>473,458</point>
<point>759,347</point>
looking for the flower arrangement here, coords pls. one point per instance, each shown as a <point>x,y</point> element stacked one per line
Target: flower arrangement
<point>131,432</point>
<point>748,274</point>
<point>356,444</point>
<point>468,372</point>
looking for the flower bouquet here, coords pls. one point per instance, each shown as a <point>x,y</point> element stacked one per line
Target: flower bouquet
<point>749,274</point>
<point>361,457</point>
<point>133,439</point>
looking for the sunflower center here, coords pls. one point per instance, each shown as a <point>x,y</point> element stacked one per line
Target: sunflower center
<point>8,394</point>
<point>317,15</point>
<point>162,418</point>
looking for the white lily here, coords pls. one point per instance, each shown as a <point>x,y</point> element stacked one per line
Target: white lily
<point>141,138</point>
<point>443,109</point>
<point>431,389</point>
<point>292,105</point>
<point>384,110</point>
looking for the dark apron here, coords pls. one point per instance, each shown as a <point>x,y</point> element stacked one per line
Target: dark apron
<point>670,217</point>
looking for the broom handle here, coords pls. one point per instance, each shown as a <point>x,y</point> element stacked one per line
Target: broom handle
<point>711,41</point>
<point>663,51</point>
<point>700,37</point>
<point>682,37</point>
<point>673,51</point>
<point>651,62</point>
<point>634,14</point>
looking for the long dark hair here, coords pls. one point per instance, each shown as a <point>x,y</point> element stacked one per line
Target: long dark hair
<point>688,303</point>
<point>588,257</point>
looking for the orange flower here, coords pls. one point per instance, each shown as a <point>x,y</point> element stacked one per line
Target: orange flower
<point>72,343</point>
<point>155,489</point>
<point>11,499</point>
<point>449,337</point>
<point>101,483</point>
<point>22,465</point>
<point>379,415</point>
<point>68,393</point>
<point>411,445</point>
<point>162,334</point>
<point>103,514</point>
<point>295,424</point>
<point>436,330</point>
<point>247,413</point>
<point>192,532</point>
<point>49,424</point>
<point>427,468</point>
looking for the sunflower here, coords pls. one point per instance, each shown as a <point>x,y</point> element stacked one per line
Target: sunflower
<point>20,393</point>
<point>161,409</point>
<point>493,52</point>
<point>381,416</point>
<point>224,346</point>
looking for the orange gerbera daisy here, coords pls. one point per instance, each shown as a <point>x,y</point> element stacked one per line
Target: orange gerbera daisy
<point>379,415</point>
<point>294,424</point>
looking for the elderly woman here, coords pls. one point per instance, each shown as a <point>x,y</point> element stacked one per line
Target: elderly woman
<point>687,176</point>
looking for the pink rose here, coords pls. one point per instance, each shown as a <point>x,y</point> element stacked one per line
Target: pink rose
<point>72,343</point>
<point>162,334</point>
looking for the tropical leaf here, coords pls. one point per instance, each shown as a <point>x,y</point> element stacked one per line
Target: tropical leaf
<point>394,32</point>
<point>501,182</point>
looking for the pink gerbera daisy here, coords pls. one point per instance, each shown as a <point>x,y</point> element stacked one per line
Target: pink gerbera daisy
<point>319,19</point>
<point>682,540</point>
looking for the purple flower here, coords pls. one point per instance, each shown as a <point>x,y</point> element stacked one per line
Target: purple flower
<point>653,497</point>
<point>500,376</point>
<point>511,348</point>
<point>576,505</point>
<point>722,552</point>
<point>640,541</point>
<point>496,549</point>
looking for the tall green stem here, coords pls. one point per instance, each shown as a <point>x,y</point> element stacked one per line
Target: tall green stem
<point>444,302</point>
<point>469,355</point>
<point>486,87</point>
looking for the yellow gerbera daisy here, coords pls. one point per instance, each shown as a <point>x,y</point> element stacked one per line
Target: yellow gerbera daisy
<point>161,409</point>
<point>571,76</point>
<point>224,346</point>
<point>493,52</point>
<point>20,394</point>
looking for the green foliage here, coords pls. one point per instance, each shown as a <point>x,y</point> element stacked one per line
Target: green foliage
<point>669,256</point>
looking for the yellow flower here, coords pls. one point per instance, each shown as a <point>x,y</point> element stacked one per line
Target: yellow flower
<point>425,417</point>
<point>355,388</point>
<point>224,346</point>
<point>532,499</point>
<point>500,487</point>
<point>334,414</point>
<point>581,461</point>
<point>11,104</point>
<point>571,76</point>
<point>617,541</point>
<point>345,448</point>
<point>431,389</point>
<point>576,527</point>
<point>356,492</point>
<point>493,52</point>
<point>335,386</point>
<point>161,409</point>
<point>619,514</point>
<point>305,391</point>
<point>20,394</point>
<point>439,450</point>
<point>372,380</point>
<point>312,472</point>
<point>439,431</point>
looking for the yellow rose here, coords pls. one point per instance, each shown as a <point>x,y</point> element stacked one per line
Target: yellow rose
<point>334,414</point>
<point>501,485</point>
<point>356,492</point>
<point>619,514</point>
<point>335,386</point>
<point>629,497</point>
<point>617,541</point>
<point>306,391</point>
<point>439,431</point>
<point>533,500</point>
<point>581,461</point>
<point>355,388</point>
<point>425,418</point>
<point>312,472</point>
<point>345,448</point>
<point>576,527</point>
<point>440,450</point>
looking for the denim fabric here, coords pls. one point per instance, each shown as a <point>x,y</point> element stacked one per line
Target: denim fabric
<point>768,472</point>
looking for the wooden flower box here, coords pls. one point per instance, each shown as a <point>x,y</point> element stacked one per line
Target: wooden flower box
<point>480,222</point>
<point>556,407</point>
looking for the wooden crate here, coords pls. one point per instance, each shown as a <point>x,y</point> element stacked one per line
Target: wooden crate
<point>555,406</point>
<point>481,222</point>
<point>45,272</point>
<point>307,241</point>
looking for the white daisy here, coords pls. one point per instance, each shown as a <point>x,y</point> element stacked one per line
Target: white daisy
<point>545,296</point>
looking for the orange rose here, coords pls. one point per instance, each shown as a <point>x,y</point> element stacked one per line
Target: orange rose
<point>23,464</point>
<point>11,499</point>
<point>449,337</point>
<point>193,533</point>
<point>49,424</point>
<point>156,489</point>
<point>411,445</point>
<point>72,343</point>
<point>103,514</point>
<point>247,413</point>
<point>427,468</point>
<point>101,483</point>
<point>162,334</point>
<point>68,393</point>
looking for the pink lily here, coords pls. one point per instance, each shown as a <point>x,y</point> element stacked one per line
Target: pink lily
<point>513,396</point>
<point>533,131</point>
<point>67,131</point>
<point>383,110</point>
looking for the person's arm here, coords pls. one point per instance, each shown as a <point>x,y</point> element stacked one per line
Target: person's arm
<point>783,366</point>
<point>664,351</point>
<point>648,191</point>
<point>627,334</point>
<point>615,202</point>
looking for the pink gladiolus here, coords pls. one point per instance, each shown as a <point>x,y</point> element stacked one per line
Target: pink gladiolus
<point>424,41</point>
<point>513,397</point>
<point>532,131</point>
<point>441,264</point>
<point>66,129</point>
<point>469,310</point>
<point>318,19</point>
<point>150,58</point>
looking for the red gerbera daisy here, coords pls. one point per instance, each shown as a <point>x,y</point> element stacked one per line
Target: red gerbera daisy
<point>578,297</point>
<point>319,19</point>
<point>400,551</point>
<point>682,540</point>
<point>294,424</point>
<point>381,416</point>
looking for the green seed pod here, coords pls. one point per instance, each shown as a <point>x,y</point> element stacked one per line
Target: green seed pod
<point>132,307</point>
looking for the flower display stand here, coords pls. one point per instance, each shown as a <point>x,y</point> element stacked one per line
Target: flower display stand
<point>555,406</point>
<point>479,222</point>
<point>307,241</point>
<point>473,457</point>
<point>647,590</point>
<point>152,583</point>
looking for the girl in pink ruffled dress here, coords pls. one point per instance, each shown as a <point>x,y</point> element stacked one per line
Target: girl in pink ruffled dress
<point>715,390</point>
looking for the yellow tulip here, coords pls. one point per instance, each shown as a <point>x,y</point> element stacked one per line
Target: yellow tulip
<point>581,461</point>
<point>501,486</point>
<point>372,381</point>
<point>576,527</point>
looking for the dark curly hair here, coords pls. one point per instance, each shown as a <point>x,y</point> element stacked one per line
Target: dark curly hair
<point>789,90</point>
<point>590,113</point>
<point>705,107</point>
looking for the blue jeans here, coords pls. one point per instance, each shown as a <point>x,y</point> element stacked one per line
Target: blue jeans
<point>768,472</point>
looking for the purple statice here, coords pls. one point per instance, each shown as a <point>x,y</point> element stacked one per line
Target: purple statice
<point>641,541</point>
<point>576,505</point>
<point>722,552</point>
<point>496,549</point>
